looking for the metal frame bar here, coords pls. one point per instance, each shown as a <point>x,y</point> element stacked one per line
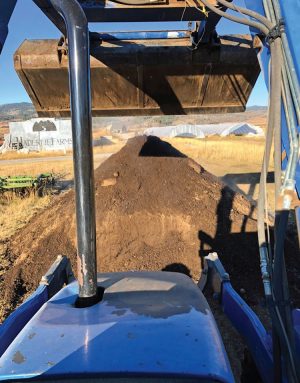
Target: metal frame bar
<point>21,316</point>
<point>242,318</point>
<point>80,93</point>
<point>110,11</point>
<point>248,325</point>
<point>6,10</point>
<point>142,35</point>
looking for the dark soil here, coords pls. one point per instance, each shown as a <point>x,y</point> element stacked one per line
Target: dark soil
<point>155,209</point>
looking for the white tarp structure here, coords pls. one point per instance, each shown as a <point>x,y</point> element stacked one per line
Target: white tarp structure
<point>40,134</point>
<point>176,131</point>
<point>201,131</point>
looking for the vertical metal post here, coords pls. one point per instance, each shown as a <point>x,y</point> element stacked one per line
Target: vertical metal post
<point>80,93</point>
<point>6,9</point>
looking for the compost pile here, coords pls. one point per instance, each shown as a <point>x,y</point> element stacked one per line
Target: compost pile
<point>155,210</point>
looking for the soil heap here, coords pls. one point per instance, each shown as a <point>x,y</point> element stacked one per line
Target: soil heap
<point>155,210</point>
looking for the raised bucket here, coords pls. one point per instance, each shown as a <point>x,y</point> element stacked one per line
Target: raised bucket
<point>144,77</point>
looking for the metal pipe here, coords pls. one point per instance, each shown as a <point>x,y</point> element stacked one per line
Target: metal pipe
<point>292,87</point>
<point>275,76</point>
<point>290,173</point>
<point>277,128</point>
<point>80,94</point>
<point>143,35</point>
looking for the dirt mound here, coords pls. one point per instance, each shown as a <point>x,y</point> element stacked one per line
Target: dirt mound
<point>156,210</point>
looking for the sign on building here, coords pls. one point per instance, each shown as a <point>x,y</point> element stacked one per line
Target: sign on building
<point>40,134</point>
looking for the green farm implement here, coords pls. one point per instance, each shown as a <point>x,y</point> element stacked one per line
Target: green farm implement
<point>25,184</point>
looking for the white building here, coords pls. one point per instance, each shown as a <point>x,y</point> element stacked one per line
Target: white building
<point>40,134</point>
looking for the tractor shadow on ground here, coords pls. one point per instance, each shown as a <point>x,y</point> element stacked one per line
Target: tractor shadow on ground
<point>178,268</point>
<point>251,179</point>
<point>238,251</point>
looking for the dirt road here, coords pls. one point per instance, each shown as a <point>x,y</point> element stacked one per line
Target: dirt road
<point>97,158</point>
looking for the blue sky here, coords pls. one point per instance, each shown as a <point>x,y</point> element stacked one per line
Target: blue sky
<point>30,23</point>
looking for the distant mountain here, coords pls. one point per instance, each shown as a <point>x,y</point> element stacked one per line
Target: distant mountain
<point>17,111</point>
<point>25,111</point>
<point>257,108</point>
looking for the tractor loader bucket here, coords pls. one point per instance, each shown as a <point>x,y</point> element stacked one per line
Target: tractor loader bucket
<point>144,77</point>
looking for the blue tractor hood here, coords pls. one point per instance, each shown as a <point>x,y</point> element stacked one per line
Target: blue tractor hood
<point>148,324</point>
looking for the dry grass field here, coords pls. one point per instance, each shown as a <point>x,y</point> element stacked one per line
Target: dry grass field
<point>236,160</point>
<point>13,155</point>
<point>215,148</point>
<point>17,211</point>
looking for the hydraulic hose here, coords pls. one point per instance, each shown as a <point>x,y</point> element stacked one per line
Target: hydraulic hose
<point>275,99</point>
<point>292,73</point>
<point>258,25</point>
<point>292,88</point>
<point>277,134</point>
<point>269,11</point>
<point>276,8</point>
<point>292,130</point>
<point>247,12</point>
